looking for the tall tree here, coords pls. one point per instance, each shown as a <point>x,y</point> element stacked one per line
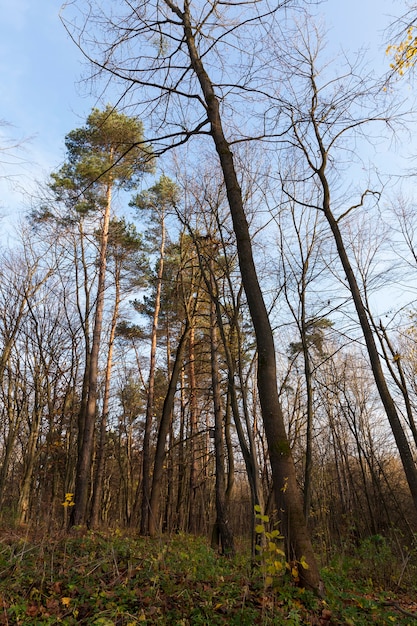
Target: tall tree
<point>301,267</point>
<point>107,154</point>
<point>205,210</point>
<point>320,115</point>
<point>157,200</point>
<point>127,268</point>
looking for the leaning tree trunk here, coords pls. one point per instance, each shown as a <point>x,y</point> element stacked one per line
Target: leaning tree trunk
<point>374,358</point>
<point>286,491</point>
<point>381,383</point>
<point>158,469</point>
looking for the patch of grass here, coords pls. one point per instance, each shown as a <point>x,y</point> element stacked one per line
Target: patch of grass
<point>361,588</point>
<point>106,579</point>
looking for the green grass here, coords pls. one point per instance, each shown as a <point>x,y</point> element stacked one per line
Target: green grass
<point>114,579</point>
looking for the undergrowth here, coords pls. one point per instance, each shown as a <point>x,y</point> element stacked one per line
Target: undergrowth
<point>114,579</point>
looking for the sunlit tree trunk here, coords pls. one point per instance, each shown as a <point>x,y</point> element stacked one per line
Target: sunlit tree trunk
<point>100,462</point>
<point>149,417</point>
<point>34,422</point>
<point>84,464</point>
<point>14,419</point>
<point>193,425</point>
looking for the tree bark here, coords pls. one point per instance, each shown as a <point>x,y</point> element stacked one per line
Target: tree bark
<point>193,463</point>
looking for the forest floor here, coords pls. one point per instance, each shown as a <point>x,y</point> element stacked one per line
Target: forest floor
<point>114,579</point>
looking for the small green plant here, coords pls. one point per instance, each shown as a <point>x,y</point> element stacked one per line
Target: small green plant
<point>270,553</point>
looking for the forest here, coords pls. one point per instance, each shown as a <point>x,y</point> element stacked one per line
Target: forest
<point>208,331</point>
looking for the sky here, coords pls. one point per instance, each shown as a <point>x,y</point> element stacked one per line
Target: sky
<point>42,96</point>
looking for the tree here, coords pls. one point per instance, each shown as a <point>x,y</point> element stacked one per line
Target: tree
<point>301,267</point>
<point>157,200</point>
<point>404,53</point>
<point>23,276</point>
<point>205,211</point>
<point>105,155</point>
<point>319,116</point>
<point>128,268</point>
<point>160,453</point>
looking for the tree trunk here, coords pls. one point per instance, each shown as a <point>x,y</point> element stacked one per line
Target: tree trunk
<point>309,411</point>
<point>146,463</point>
<point>14,418</point>
<point>158,470</point>
<point>286,491</point>
<point>85,457</point>
<point>193,463</point>
<point>248,451</point>
<point>101,460</point>
<point>25,487</point>
<point>381,383</point>
<point>222,533</point>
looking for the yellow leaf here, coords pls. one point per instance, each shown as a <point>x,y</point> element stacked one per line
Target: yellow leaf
<point>274,533</point>
<point>268,581</point>
<point>259,528</point>
<point>65,601</point>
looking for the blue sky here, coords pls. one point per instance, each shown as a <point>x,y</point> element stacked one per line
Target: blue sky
<point>41,98</point>
<point>40,69</point>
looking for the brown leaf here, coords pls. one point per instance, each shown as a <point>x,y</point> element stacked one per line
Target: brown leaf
<point>32,610</point>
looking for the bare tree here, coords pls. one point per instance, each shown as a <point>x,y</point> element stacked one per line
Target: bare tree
<point>320,115</point>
